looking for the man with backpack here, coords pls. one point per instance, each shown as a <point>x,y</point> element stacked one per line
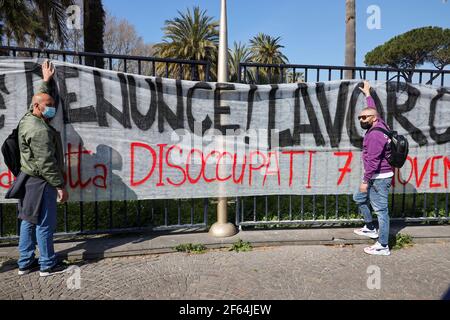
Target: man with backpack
<point>42,167</point>
<point>378,173</point>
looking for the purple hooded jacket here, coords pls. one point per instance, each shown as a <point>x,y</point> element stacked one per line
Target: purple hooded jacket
<point>374,153</point>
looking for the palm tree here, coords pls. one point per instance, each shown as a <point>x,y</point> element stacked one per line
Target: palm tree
<point>239,53</point>
<point>94,29</point>
<point>192,36</point>
<point>350,37</point>
<point>33,20</point>
<point>267,50</point>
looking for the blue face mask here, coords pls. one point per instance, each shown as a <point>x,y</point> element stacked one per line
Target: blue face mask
<point>49,112</point>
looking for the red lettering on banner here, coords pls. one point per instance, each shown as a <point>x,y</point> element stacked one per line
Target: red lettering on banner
<point>188,160</point>
<point>291,162</point>
<point>446,169</point>
<point>347,164</point>
<point>252,168</point>
<point>311,153</point>
<point>405,182</point>
<point>175,167</point>
<point>209,180</point>
<point>161,163</point>
<point>10,178</point>
<point>154,157</point>
<point>221,155</point>
<point>100,177</point>
<point>79,155</point>
<point>277,171</point>
<point>434,174</point>
<point>422,174</point>
<point>241,177</point>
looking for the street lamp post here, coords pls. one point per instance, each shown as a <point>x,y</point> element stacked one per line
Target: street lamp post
<point>222,228</point>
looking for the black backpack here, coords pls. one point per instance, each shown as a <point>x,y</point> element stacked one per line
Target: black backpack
<point>11,152</point>
<point>398,146</point>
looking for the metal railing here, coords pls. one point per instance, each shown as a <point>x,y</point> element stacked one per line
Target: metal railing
<point>120,216</point>
<point>335,209</point>
<point>189,214</point>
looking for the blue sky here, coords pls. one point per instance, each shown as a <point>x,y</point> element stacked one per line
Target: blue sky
<point>313,32</point>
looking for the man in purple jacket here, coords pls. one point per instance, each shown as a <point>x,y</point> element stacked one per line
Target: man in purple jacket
<point>378,173</point>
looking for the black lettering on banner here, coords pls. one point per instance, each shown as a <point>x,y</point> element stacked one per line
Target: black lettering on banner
<point>176,121</point>
<point>250,101</point>
<point>313,127</point>
<point>104,106</point>
<point>355,139</point>
<point>285,138</point>
<point>31,69</point>
<point>4,90</point>
<point>84,114</point>
<point>206,123</point>
<point>396,110</point>
<point>443,137</point>
<point>220,110</point>
<point>142,122</point>
<point>334,128</point>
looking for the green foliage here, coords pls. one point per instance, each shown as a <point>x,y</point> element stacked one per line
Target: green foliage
<point>401,241</point>
<point>241,246</point>
<point>412,49</point>
<point>193,35</point>
<point>191,248</point>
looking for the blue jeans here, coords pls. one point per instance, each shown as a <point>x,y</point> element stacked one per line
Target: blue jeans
<point>42,233</point>
<point>378,197</point>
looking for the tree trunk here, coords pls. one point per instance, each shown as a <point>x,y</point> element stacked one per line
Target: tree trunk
<point>350,37</point>
<point>94,29</point>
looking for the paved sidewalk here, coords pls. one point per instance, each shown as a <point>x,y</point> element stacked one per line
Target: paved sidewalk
<point>283,272</point>
<point>141,244</point>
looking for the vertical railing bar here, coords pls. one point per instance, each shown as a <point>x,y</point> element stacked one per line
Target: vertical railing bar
<point>425,205</point>
<point>205,211</point>
<point>179,211</point>
<point>66,223</point>
<point>1,220</point>
<point>302,211</point>
<point>166,214</point>
<point>278,208</point>
<point>348,206</point>
<point>139,212</point>
<point>314,206</point>
<point>139,67</point>
<point>192,211</point>
<point>254,208</point>
<point>237,215</point>
<point>81,216</point>
<point>306,74</point>
<point>267,208</point>
<point>436,208</point>
<point>290,207</point>
<point>125,212</point>
<point>337,207</point>
<point>96,214</point>
<point>111,214</point>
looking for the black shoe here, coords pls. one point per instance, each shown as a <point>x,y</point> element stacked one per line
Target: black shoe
<point>56,269</point>
<point>34,266</point>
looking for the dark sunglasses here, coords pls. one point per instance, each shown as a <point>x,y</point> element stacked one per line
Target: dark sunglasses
<point>364,117</point>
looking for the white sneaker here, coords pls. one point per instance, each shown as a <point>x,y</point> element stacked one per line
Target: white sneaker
<point>377,249</point>
<point>364,231</point>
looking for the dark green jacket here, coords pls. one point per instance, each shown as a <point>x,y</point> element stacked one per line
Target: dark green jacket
<point>41,151</point>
